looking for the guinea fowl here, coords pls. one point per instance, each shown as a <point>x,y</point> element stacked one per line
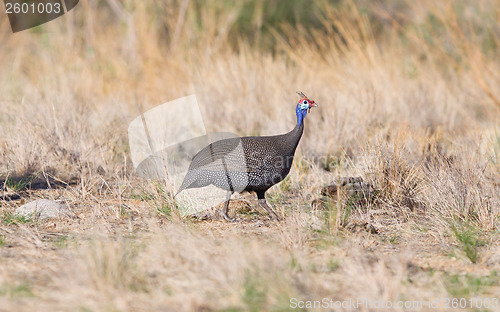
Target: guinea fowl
<point>249,163</point>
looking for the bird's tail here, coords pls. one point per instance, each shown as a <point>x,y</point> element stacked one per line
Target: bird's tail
<point>185,184</point>
<point>180,190</point>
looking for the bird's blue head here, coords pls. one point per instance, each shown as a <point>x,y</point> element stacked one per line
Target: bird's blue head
<point>303,107</point>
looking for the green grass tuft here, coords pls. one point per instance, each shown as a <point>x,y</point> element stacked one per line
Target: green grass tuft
<point>10,218</point>
<point>254,295</point>
<point>469,240</point>
<point>467,285</point>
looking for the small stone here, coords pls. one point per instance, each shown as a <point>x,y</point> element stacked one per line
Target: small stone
<point>330,190</point>
<point>44,209</point>
<point>353,189</point>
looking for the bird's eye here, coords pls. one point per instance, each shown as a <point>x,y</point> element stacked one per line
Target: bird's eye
<point>305,102</point>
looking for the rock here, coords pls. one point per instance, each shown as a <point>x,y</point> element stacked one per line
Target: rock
<point>43,209</point>
<point>330,190</point>
<point>352,189</point>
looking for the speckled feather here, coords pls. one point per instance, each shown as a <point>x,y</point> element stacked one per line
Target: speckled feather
<point>248,163</point>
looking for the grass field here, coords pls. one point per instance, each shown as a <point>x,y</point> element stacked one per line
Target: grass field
<point>409,100</point>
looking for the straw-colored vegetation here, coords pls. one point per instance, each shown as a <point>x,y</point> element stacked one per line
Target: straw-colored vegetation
<point>409,99</point>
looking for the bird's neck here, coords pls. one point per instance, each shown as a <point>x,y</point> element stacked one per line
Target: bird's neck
<point>299,127</point>
<point>295,135</point>
<point>300,118</point>
<point>298,130</point>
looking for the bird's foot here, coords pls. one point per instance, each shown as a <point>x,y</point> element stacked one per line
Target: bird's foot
<point>272,214</point>
<point>229,219</point>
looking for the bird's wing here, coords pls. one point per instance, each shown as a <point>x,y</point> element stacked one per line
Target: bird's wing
<point>223,155</point>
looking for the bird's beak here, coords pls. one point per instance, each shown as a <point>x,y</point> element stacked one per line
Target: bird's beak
<point>311,105</point>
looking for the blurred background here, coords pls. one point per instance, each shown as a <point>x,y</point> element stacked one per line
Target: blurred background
<point>74,84</point>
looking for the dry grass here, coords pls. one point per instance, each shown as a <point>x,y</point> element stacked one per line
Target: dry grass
<point>409,100</point>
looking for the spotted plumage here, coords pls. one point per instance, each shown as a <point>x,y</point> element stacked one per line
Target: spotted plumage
<point>249,163</point>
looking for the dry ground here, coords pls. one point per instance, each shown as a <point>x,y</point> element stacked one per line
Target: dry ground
<point>409,100</point>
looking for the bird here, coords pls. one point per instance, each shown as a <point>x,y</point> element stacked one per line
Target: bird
<point>252,164</point>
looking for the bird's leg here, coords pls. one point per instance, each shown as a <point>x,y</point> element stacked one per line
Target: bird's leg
<point>226,207</point>
<point>270,211</point>
<point>263,204</point>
